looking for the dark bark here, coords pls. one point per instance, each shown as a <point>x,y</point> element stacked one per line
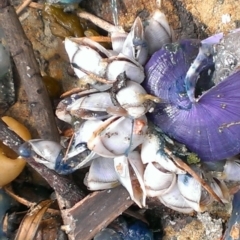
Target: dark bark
<point>95,212</point>
<point>28,70</point>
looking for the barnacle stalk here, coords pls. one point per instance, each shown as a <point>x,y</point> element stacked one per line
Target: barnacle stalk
<point>144,97</point>
<point>91,75</point>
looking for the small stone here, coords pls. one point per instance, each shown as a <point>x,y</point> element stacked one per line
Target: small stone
<point>213,227</point>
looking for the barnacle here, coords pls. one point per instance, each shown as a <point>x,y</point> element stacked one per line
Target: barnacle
<point>124,148</point>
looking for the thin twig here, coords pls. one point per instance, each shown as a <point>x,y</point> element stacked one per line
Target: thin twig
<point>100,22</point>
<point>19,199</point>
<point>101,39</point>
<point>69,146</point>
<point>74,90</point>
<point>27,203</point>
<point>28,70</point>
<point>23,6</point>
<point>92,75</point>
<point>184,166</point>
<point>36,5</point>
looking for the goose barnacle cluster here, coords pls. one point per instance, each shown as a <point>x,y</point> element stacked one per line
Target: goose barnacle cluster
<point>117,140</point>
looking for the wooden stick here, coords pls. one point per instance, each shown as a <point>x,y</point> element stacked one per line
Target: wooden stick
<point>95,212</point>
<point>100,39</point>
<point>25,202</point>
<point>100,22</point>
<point>185,167</point>
<point>23,6</point>
<point>92,75</point>
<point>36,5</point>
<point>27,67</point>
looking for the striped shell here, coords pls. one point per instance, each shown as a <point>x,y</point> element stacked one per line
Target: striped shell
<point>208,126</point>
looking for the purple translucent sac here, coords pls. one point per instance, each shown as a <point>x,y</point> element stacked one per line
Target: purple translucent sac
<point>163,76</point>
<point>225,52</point>
<point>203,60</point>
<point>208,126</point>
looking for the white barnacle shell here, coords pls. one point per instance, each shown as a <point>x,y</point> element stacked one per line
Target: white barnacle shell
<point>118,39</point>
<point>97,102</point>
<point>220,188</point>
<point>47,152</point>
<point>130,172</point>
<point>232,169</point>
<point>150,147</point>
<point>101,175</point>
<point>120,64</point>
<point>157,180</point>
<point>158,24</point>
<point>152,151</point>
<point>84,57</point>
<point>87,59</point>
<point>132,99</point>
<point>193,193</point>
<point>167,163</point>
<point>79,143</point>
<point>84,132</point>
<point>62,113</point>
<point>118,136</point>
<point>135,45</point>
<point>64,107</point>
<point>174,200</point>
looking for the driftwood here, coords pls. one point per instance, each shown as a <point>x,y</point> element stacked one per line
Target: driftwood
<point>82,219</point>
<point>95,212</point>
<point>28,70</point>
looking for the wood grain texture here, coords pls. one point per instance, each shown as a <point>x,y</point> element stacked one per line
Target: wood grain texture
<point>28,70</point>
<point>96,211</point>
